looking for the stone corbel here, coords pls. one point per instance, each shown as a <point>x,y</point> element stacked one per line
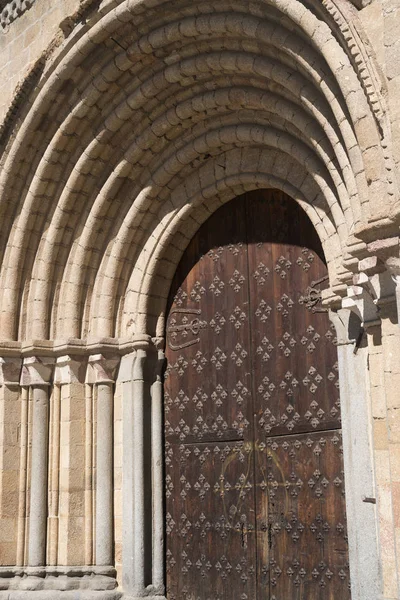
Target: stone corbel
<point>10,371</point>
<point>101,369</point>
<point>362,303</point>
<point>69,369</point>
<point>37,371</point>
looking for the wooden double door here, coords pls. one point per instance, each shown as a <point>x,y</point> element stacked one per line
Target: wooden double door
<point>254,481</point>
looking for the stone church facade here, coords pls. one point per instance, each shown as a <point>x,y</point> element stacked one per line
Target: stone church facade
<point>125,124</point>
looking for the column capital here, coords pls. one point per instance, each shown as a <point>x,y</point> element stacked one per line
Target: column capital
<point>69,369</point>
<point>10,370</point>
<point>37,371</point>
<point>360,301</point>
<point>101,369</point>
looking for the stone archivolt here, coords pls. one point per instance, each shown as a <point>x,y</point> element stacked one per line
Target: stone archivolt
<point>151,117</point>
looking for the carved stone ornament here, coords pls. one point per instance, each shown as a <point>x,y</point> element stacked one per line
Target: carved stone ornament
<point>37,371</point>
<point>101,369</point>
<point>69,370</point>
<point>10,11</point>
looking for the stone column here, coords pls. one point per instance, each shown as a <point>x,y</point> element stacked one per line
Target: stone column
<point>13,460</point>
<point>158,475</point>
<point>37,373</point>
<point>101,373</point>
<point>66,464</point>
<point>125,377</point>
<point>143,542</point>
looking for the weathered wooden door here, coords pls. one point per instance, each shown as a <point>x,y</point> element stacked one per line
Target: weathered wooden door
<point>254,479</point>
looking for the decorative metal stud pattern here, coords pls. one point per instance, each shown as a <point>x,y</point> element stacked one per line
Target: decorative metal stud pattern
<point>299,468</point>
<point>251,391</point>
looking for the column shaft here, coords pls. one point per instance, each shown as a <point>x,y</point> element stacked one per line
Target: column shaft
<point>23,466</point>
<point>138,487</point>
<point>104,475</point>
<point>38,503</point>
<point>54,479</point>
<point>158,481</point>
<point>88,475</point>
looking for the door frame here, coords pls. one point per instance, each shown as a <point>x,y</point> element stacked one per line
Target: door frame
<point>142,385</point>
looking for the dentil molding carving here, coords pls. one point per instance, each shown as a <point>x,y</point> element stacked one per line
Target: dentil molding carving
<point>9,11</point>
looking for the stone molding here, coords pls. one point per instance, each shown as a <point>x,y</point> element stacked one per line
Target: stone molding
<point>78,348</point>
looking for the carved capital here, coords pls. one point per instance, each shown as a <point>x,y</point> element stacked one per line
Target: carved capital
<point>37,371</point>
<point>125,371</point>
<point>142,365</point>
<point>101,369</point>
<point>10,371</point>
<point>69,369</point>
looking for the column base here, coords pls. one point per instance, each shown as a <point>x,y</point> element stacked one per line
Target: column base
<point>59,583</point>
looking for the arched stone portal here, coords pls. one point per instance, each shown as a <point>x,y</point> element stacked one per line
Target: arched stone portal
<point>139,121</point>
